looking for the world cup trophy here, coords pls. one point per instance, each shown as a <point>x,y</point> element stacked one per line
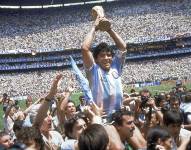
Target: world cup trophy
<point>98,12</point>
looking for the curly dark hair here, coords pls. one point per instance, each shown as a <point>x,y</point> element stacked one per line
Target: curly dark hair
<point>27,134</point>
<point>102,47</point>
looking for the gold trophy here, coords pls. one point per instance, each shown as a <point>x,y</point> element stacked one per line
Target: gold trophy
<point>104,24</point>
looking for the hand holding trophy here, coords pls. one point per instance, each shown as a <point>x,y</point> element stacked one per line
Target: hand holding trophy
<point>98,14</point>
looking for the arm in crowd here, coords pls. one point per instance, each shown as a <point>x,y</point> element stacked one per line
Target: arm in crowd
<point>114,138</point>
<point>187,126</point>
<point>117,39</point>
<point>94,113</point>
<point>137,140</point>
<point>128,99</point>
<point>42,112</point>
<point>26,111</point>
<point>184,143</point>
<point>159,114</point>
<point>61,105</point>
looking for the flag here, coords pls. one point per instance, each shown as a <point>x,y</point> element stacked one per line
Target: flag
<point>84,84</point>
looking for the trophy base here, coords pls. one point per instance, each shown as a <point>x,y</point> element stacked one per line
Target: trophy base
<point>104,25</point>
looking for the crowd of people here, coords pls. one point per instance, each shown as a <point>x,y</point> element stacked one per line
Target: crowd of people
<point>107,118</point>
<point>36,82</point>
<point>157,70</point>
<point>59,29</point>
<point>54,122</point>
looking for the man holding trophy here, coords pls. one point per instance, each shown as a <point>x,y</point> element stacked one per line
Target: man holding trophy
<point>103,66</point>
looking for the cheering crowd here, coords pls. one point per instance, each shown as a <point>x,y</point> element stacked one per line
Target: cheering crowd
<point>107,118</point>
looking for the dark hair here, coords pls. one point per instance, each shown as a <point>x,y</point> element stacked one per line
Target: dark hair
<point>30,133</point>
<point>145,91</point>
<point>132,91</point>
<point>82,97</point>
<point>69,124</point>
<point>172,117</point>
<point>18,124</point>
<point>174,98</point>
<point>69,101</point>
<point>117,117</point>
<point>94,137</point>
<point>154,134</point>
<point>102,47</point>
<point>5,95</point>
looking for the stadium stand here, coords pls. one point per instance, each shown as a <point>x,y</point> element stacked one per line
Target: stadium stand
<point>61,28</point>
<point>151,29</point>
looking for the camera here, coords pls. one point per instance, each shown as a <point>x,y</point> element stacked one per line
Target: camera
<point>144,100</point>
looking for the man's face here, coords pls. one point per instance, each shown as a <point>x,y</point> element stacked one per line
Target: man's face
<point>162,103</point>
<point>6,141</point>
<point>145,94</point>
<point>47,124</point>
<point>127,126</point>
<point>174,105</point>
<point>104,60</point>
<point>82,101</point>
<point>70,108</point>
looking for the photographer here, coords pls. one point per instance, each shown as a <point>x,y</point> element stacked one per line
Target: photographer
<point>162,102</point>
<point>146,106</point>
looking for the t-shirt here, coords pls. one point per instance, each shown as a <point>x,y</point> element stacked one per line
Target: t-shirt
<point>186,109</point>
<point>106,86</point>
<point>55,140</point>
<point>68,144</point>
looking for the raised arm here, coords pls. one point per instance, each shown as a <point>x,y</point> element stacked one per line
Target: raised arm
<point>86,46</point>
<point>61,105</point>
<point>42,112</point>
<point>121,45</point>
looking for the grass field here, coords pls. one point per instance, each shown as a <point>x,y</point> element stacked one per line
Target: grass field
<point>74,97</point>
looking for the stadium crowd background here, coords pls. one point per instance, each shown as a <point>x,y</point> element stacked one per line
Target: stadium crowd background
<point>64,28</point>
